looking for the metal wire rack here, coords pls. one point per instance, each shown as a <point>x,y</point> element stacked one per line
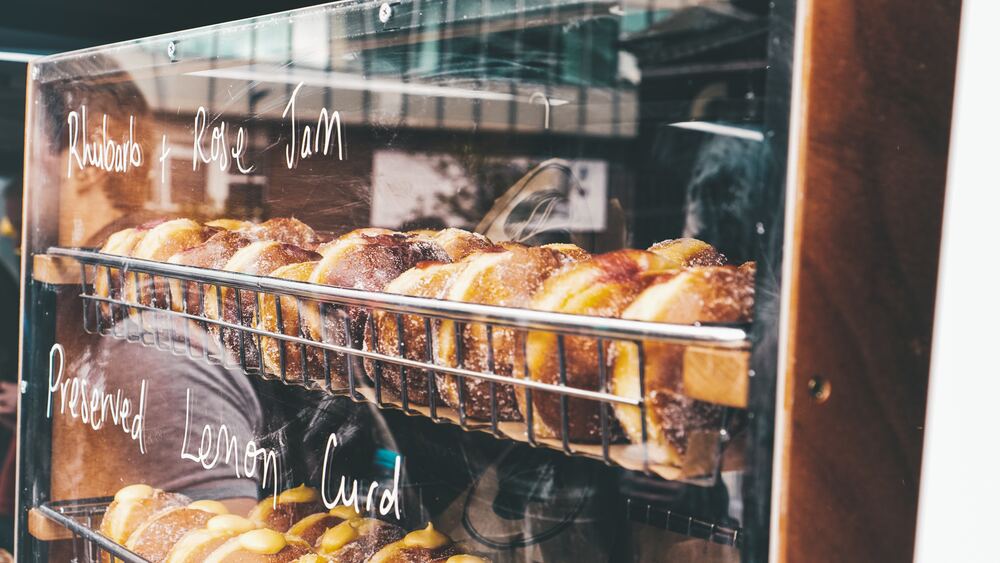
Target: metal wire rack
<point>83,516</point>
<point>347,359</point>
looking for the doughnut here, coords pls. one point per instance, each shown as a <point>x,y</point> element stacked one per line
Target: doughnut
<point>292,505</point>
<point>506,277</point>
<point>131,507</point>
<point>194,546</point>
<point>159,244</point>
<point>257,258</point>
<point>686,252</point>
<point>719,294</point>
<point>213,253</point>
<point>229,224</point>
<point>287,230</point>
<point>107,281</point>
<point>157,535</point>
<point>457,243</point>
<point>356,541</point>
<point>421,546</point>
<point>602,287</point>
<point>427,279</point>
<point>271,348</point>
<point>360,261</point>
<point>311,527</point>
<point>259,546</point>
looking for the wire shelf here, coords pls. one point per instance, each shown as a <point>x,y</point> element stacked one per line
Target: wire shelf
<point>349,359</point>
<point>82,518</point>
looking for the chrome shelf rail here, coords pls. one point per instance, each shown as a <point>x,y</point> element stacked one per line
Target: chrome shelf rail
<point>348,364</point>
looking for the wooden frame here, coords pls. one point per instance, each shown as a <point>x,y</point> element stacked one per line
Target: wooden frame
<point>874,81</point>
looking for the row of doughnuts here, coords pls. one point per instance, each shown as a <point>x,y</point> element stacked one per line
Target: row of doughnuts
<point>293,527</point>
<point>681,281</point>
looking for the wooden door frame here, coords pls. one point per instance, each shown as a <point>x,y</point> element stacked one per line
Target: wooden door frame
<point>869,144</point>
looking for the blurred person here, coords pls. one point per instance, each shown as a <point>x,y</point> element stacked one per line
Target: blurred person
<point>10,267</point>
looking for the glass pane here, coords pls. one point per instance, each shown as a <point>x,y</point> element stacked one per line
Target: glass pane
<point>556,381</point>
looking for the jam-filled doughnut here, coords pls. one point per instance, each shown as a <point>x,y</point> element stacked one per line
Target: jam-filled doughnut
<point>229,224</point>
<point>720,294</point>
<point>159,244</point>
<point>508,277</point>
<point>287,230</point>
<point>214,253</point>
<point>290,506</point>
<point>603,287</point>
<point>421,546</point>
<point>357,540</point>
<point>457,243</point>
<point>427,279</point>
<point>196,545</point>
<point>131,507</point>
<point>259,546</point>
<point>311,527</point>
<point>362,261</point>
<point>272,349</point>
<point>257,258</point>
<point>154,538</point>
<point>108,281</point>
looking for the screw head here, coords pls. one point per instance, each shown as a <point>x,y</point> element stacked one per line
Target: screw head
<point>35,72</point>
<point>819,388</point>
<point>385,13</point>
<point>172,49</point>
<point>24,387</point>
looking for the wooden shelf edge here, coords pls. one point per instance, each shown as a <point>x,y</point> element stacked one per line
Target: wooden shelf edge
<point>41,528</point>
<point>55,270</point>
<point>717,376</point>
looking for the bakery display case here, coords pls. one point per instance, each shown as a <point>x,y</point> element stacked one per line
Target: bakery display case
<point>443,281</point>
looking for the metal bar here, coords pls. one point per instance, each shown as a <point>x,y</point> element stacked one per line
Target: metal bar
<point>303,352</point>
<point>223,353</point>
<point>404,392</point>
<point>92,537</point>
<point>83,287</point>
<point>254,320</point>
<point>491,368</point>
<point>563,399</point>
<point>282,368</point>
<point>156,316</point>
<point>324,313</point>
<point>206,341</point>
<point>113,326</point>
<point>729,336</point>
<point>377,367</point>
<point>642,406</point>
<point>529,407</point>
<point>460,362</point>
<point>431,375</point>
<point>169,305</point>
<point>351,383</point>
<point>239,332</point>
<point>460,372</point>
<point>602,377</point>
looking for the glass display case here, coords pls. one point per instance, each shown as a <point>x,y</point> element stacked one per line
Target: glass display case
<point>504,278</point>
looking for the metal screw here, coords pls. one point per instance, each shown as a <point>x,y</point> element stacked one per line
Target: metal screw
<point>385,13</point>
<point>819,388</point>
<point>24,387</point>
<point>172,50</point>
<point>34,73</point>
